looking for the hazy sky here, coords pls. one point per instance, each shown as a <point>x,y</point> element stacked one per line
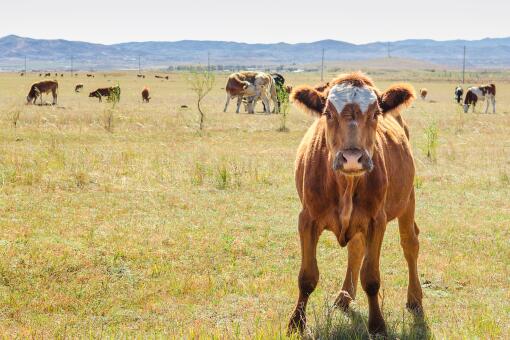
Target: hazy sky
<point>358,21</point>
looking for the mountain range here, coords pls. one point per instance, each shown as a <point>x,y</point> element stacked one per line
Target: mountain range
<point>57,54</point>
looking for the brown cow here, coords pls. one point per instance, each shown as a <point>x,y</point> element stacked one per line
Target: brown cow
<point>354,174</point>
<point>90,75</point>
<point>423,93</point>
<point>103,92</point>
<point>42,87</point>
<point>78,88</point>
<point>145,95</point>
<point>476,93</point>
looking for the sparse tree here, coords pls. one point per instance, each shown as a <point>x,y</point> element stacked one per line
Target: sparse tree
<point>283,99</point>
<point>201,82</point>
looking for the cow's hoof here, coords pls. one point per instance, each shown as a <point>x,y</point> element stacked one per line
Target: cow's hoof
<point>297,323</point>
<point>377,328</point>
<point>415,308</point>
<point>343,300</point>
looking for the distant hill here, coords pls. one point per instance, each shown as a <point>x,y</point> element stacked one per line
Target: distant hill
<point>56,54</point>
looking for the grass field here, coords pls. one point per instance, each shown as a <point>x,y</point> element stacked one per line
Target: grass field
<point>155,229</point>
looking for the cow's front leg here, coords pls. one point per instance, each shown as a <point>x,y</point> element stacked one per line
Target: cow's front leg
<point>370,275</point>
<point>239,101</point>
<point>309,272</point>
<point>493,104</point>
<point>356,251</point>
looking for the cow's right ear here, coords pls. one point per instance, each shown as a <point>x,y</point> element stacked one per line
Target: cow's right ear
<point>309,99</point>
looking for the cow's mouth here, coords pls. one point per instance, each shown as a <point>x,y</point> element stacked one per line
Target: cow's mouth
<point>353,162</point>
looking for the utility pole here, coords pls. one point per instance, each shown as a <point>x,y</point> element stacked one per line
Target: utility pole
<point>139,65</point>
<point>25,65</point>
<point>322,66</point>
<point>464,67</point>
<point>208,61</point>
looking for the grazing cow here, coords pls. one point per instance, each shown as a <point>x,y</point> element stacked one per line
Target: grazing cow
<point>238,86</point>
<point>47,75</point>
<point>61,75</point>
<point>42,87</point>
<point>90,76</point>
<point>40,74</point>
<point>145,95</point>
<point>22,74</point>
<point>140,76</point>
<point>104,92</point>
<point>266,88</point>
<point>423,93</point>
<point>78,88</point>
<point>354,173</point>
<point>476,93</point>
<point>458,94</point>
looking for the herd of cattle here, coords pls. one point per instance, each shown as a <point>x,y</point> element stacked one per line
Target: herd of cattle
<point>249,87</point>
<point>473,95</point>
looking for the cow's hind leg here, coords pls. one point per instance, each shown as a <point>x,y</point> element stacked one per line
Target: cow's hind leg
<point>239,101</point>
<point>493,104</point>
<point>226,104</point>
<point>309,272</point>
<point>487,106</point>
<point>411,246</point>
<point>54,93</point>
<point>356,251</point>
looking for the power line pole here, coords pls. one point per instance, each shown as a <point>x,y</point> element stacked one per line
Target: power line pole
<point>322,66</point>
<point>464,67</point>
<point>139,65</point>
<point>208,61</point>
<point>25,65</point>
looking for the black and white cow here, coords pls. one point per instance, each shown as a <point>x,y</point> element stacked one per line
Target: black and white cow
<point>476,93</point>
<point>459,92</point>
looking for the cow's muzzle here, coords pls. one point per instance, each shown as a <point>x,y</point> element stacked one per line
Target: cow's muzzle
<point>353,162</point>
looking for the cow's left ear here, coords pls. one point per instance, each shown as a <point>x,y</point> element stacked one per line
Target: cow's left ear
<point>397,97</point>
<point>309,99</point>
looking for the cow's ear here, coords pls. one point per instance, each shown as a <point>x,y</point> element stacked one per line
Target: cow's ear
<point>309,99</point>
<point>397,97</point>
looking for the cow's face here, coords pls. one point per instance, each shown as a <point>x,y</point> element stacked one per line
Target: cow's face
<point>351,110</point>
<point>351,116</point>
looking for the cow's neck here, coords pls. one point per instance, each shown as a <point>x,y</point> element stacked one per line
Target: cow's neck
<point>347,189</point>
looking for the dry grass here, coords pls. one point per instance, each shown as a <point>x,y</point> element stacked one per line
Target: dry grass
<point>157,230</point>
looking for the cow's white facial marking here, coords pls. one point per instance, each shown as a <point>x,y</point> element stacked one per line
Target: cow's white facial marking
<point>342,94</point>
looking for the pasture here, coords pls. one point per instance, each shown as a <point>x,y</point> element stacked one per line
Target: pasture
<point>156,229</point>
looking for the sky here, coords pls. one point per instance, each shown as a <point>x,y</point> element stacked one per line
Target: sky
<point>259,21</point>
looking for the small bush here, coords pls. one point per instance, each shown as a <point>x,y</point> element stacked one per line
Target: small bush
<point>432,140</point>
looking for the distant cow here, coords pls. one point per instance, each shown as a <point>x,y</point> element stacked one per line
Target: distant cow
<point>354,173</point>
<point>238,86</point>
<point>140,76</point>
<point>103,92</point>
<point>458,94</point>
<point>145,95</point>
<point>42,87</point>
<point>266,89</point>
<point>476,93</point>
<point>47,75</point>
<point>423,93</point>
<point>90,75</point>
<point>78,88</point>
<point>22,74</point>
<point>288,89</point>
<point>61,74</point>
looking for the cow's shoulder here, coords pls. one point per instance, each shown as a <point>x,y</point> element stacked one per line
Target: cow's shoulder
<point>315,181</point>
